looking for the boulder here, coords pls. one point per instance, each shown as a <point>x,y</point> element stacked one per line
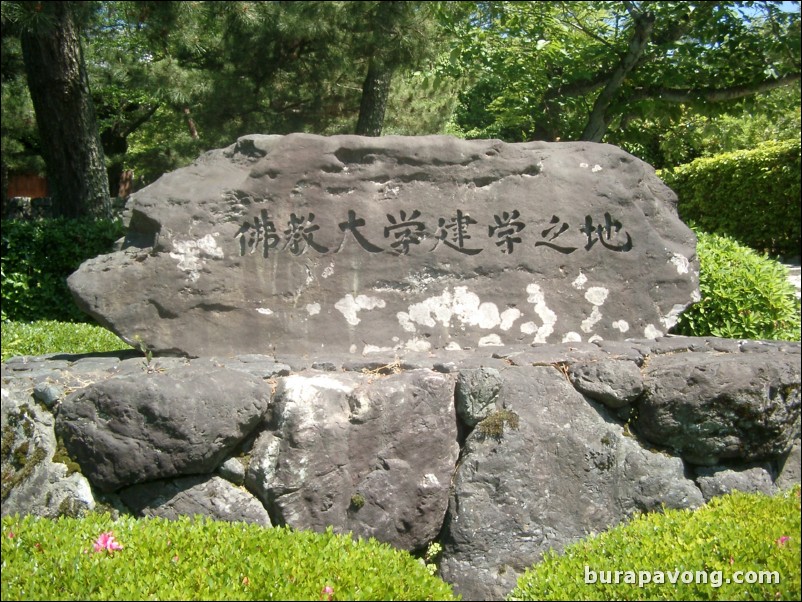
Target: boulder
<point>303,244</point>
<point>364,453</point>
<point>553,469</point>
<point>131,429</point>
<point>742,407</point>
<point>715,480</point>
<point>38,478</point>
<point>615,383</point>
<point>790,467</point>
<point>208,496</point>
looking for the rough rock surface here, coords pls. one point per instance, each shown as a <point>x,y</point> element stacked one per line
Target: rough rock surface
<point>33,481</point>
<point>567,470</point>
<point>722,407</point>
<point>539,455</point>
<point>715,481</point>
<point>188,496</point>
<point>364,453</point>
<point>308,244</point>
<point>136,428</point>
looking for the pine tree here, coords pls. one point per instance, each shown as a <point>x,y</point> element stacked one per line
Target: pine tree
<point>65,113</point>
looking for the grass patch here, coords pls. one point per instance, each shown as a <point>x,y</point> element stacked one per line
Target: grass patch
<point>201,559</point>
<point>736,537</point>
<point>48,336</point>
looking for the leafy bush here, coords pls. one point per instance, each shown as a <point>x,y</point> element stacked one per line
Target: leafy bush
<point>752,196</point>
<point>744,294</point>
<point>192,559</point>
<point>40,338</point>
<point>737,537</point>
<point>37,258</point>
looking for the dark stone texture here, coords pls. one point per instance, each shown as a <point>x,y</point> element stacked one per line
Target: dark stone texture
<point>615,383</point>
<point>476,394</point>
<point>377,446</point>
<point>715,481</point>
<point>305,244</point>
<point>135,428</point>
<point>790,467</point>
<point>742,407</point>
<point>567,470</point>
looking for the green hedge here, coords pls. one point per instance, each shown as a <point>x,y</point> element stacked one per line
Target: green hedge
<point>744,295</point>
<point>201,559</point>
<point>752,196</point>
<point>37,258</point>
<point>736,537</point>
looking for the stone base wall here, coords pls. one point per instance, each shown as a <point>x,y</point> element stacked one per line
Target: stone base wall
<point>499,457</point>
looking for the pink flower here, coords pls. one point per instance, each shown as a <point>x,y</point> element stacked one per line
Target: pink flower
<point>783,540</point>
<point>11,534</point>
<point>328,592</point>
<point>107,542</point>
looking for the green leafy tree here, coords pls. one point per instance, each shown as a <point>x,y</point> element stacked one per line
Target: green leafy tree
<point>591,70</point>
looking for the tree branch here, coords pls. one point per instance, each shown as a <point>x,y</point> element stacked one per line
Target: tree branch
<point>674,95</point>
<point>597,122</point>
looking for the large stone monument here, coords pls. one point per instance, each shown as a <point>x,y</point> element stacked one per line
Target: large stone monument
<point>528,288</point>
<point>309,244</point>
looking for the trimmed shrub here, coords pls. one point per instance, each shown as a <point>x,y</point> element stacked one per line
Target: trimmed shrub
<point>201,559</point>
<point>719,552</point>
<point>744,295</point>
<point>752,196</point>
<point>37,258</point>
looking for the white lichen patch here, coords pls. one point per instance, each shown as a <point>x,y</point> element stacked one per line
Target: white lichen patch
<point>264,311</point>
<point>529,328</point>
<point>572,337</point>
<point>418,345</point>
<point>620,325</point>
<point>328,270</point>
<point>508,317</point>
<point>461,305</point>
<point>313,309</point>
<point>192,255</point>
<point>597,295</point>
<point>651,332</point>
<point>549,318</point>
<point>670,319</point>
<point>591,321</point>
<point>596,168</point>
<point>491,340</point>
<point>405,321</point>
<point>368,349</point>
<point>579,282</point>
<point>680,263</point>
<point>349,306</point>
